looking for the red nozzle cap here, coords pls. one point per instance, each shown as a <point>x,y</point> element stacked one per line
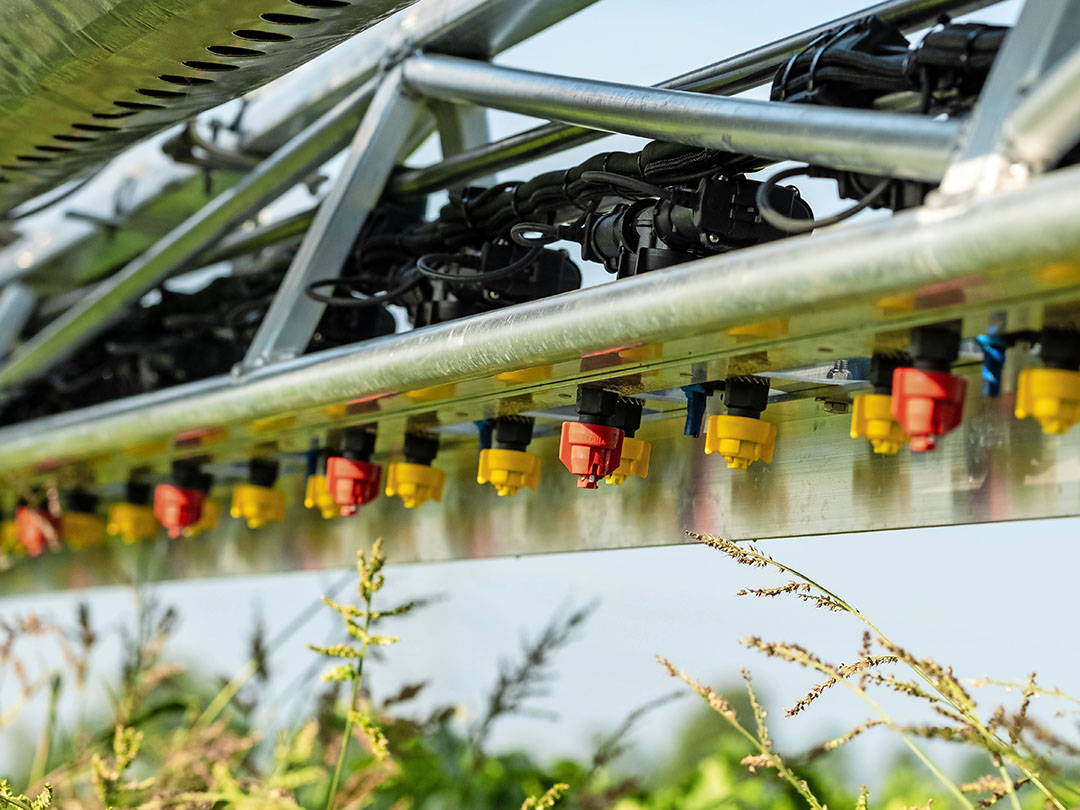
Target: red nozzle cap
<point>176,508</point>
<point>590,452</point>
<point>352,483</point>
<point>927,404</point>
<point>31,524</point>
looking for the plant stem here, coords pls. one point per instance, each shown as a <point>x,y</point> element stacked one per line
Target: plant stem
<point>332,796</point>
<point>226,694</point>
<point>41,753</point>
<point>346,736</point>
<point>1013,798</point>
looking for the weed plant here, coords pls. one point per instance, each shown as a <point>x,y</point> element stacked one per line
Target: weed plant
<point>177,740</point>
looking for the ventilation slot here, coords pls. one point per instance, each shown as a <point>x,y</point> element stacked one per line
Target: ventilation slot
<point>47,148</point>
<point>95,128</point>
<point>10,168</point>
<point>234,51</point>
<point>287,19</point>
<point>33,158</point>
<point>137,105</point>
<point>320,3</point>
<point>111,116</point>
<point>261,36</point>
<point>186,81</point>
<point>74,138</point>
<point>163,94</point>
<point>209,66</point>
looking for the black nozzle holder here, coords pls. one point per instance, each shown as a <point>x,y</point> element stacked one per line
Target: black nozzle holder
<point>882,366</point>
<point>263,472</point>
<point>421,448</point>
<point>746,396</point>
<point>358,444</point>
<point>935,348</point>
<point>513,432</point>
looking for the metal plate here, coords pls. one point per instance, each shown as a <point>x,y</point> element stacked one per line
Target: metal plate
<point>82,79</point>
<point>821,481</point>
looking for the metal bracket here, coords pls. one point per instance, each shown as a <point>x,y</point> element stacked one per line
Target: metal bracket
<point>291,320</point>
<point>983,162</point>
<point>17,304</point>
<point>461,127</point>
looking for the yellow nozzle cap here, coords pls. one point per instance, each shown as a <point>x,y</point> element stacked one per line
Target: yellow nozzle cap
<point>1049,395</point>
<point>9,539</point>
<point>82,529</point>
<point>131,522</point>
<point>872,418</point>
<point>414,483</point>
<point>508,470</point>
<point>741,440</point>
<point>258,505</point>
<point>317,496</point>
<point>634,460</point>
<point>211,513</point>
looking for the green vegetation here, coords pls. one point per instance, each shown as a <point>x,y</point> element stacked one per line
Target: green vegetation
<point>178,740</point>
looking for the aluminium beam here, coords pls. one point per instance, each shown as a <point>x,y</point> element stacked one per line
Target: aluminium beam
<point>996,251</point>
<point>878,143</point>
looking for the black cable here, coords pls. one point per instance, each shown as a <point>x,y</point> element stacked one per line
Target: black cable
<point>792,225</point>
<point>11,216</point>
<point>424,265</point>
<point>622,181</point>
<point>368,301</point>
<point>547,234</point>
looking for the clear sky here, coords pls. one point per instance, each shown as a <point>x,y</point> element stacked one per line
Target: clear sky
<point>988,599</point>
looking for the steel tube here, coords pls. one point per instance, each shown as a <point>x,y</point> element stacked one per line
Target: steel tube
<point>985,245</point>
<point>268,180</point>
<point>290,321</point>
<point>727,77</point>
<point>1046,124</point>
<point>17,302</point>
<point>878,143</point>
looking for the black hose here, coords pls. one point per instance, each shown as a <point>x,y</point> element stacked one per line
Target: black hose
<point>792,225</point>
<point>424,265</point>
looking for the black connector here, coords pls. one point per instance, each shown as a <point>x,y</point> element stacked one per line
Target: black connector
<point>882,366</point>
<point>358,444</point>
<point>595,406</point>
<point>935,348</point>
<point>263,472</point>
<point>746,396</point>
<point>513,432</point>
<point>421,448</point>
<point>1060,349</point>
